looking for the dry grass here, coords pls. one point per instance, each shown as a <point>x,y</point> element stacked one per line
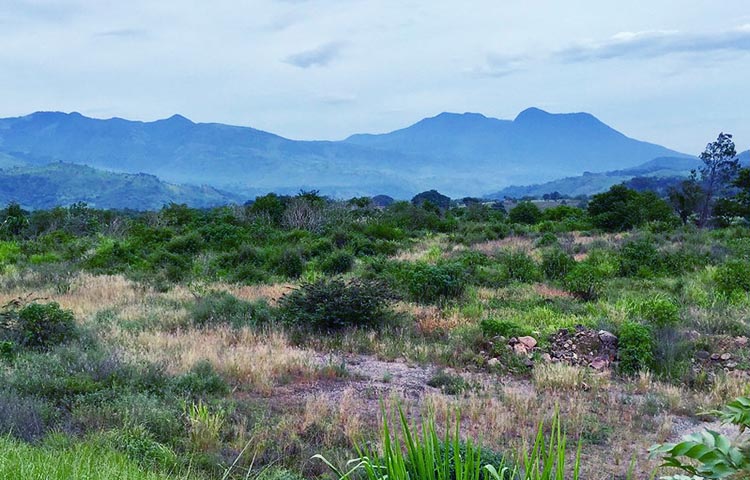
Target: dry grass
<point>253,361</point>
<point>432,319</point>
<point>562,377</point>
<point>491,247</point>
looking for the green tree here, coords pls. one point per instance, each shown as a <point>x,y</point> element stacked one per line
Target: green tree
<point>525,212</point>
<point>621,208</point>
<point>686,198</point>
<point>720,165</point>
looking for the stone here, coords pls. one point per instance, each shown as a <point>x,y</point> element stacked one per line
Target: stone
<point>715,357</point>
<point>731,365</point>
<point>725,356</point>
<point>493,362</point>
<point>528,342</point>
<point>607,338</point>
<point>520,349</point>
<point>702,355</point>
<point>546,357</point>
<point>741,341</point>
<point>599,363</point>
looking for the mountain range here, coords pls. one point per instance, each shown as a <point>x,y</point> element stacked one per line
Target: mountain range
<point>458,154</point>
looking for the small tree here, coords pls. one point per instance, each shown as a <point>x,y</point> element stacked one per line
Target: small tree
<point>686,198</point>
<point>720,165</point>
<point>525,212</point>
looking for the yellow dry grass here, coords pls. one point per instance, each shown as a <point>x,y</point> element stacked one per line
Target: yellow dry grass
<point>253,361</point>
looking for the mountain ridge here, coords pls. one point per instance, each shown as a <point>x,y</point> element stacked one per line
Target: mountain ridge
<point>461,154</point>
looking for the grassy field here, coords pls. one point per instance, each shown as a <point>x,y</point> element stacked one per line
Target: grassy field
<point>239,343</point>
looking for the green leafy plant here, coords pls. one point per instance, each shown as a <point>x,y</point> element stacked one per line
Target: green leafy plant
<point>36,325</point>
<point>709,454</point>
<point>204,425</point>
<point>331,304</point>
<point>636,346</point>
<point>406,455</point>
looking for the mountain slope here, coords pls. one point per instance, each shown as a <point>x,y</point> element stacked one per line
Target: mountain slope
<point>467,154</point>
<point>59,184</point>
<point>591,183</point>
<point>559,143</point>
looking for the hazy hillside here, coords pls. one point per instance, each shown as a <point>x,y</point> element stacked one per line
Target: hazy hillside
<point>591,183</point>
<point>62,184</point>
<point>560,144</point>
<point>466,154</point>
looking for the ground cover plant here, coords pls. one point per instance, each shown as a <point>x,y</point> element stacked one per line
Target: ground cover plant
<point>239,342</point>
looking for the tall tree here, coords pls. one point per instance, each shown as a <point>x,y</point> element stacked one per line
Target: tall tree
<point>720,165</point>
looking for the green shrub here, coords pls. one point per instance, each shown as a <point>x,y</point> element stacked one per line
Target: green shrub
<point>216,308</point>
<point>640,258</point>
<point>338,262</point>
<point>635,347</point>
<point>7,350</point>
<point>525,213</point>
<point>202,379</point>
<point>585,281</point>
<point>448,383</point>
<point>427,283</point>
<point>503,328</point>
<point>38,326</point>
<point>519,267</point>
<point>139,444</point>
<point>332,304</point>
<point>733,276</point>
<point>556,264</point>
<point>547,240</point>
<point>659,311</point>
<point>289,263</point>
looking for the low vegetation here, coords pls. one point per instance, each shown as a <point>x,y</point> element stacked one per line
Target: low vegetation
<point>239,342</point>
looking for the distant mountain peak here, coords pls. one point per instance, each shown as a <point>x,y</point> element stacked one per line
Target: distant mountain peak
<point>532,113</point>
<point>177,118</point>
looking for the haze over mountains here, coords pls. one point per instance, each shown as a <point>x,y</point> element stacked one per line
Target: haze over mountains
<point>458,154</point>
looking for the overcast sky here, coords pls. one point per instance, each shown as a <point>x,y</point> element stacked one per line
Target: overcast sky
<point>673,72</point>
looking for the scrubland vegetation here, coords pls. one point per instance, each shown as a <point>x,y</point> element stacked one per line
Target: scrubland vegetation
<point>240,342</point>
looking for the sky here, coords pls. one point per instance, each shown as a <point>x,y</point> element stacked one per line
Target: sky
<point>667,71</point>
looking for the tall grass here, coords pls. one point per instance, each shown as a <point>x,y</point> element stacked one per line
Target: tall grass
<point>411,455</point>
<point>90,461</point>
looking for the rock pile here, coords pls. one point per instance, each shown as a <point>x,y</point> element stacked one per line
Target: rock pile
<point>595,349</point>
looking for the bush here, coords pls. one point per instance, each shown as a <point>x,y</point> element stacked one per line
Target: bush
<point>585,281</point>
<point>38,326</point>
<point>525,213</point>
<point>337,262</point>
<point>503,328</point>
<point>218,308</point>
<point>658,311</point>
<point>556,264</point>
<point>733,276</point>
<point>202,379</point>
<point>448,383</point>
<point>519,267</point>
<point>636,346</point>
<point>427,283</point>
<point>547,240</point>
<point>288,263</point>
<point>332,304</point>
<point>640,258</point>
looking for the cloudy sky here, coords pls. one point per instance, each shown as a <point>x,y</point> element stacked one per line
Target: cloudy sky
<point>668,71</point>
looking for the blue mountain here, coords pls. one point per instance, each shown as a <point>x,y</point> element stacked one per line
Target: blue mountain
<point>459,154</point>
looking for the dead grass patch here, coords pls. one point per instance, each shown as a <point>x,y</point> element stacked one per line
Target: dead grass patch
<point>253,361</point>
